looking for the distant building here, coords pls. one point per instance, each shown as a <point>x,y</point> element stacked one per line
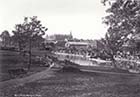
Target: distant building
<point>60,37</point>
<point>81,45</point>
<point>77,44</point>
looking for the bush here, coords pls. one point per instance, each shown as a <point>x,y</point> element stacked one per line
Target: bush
<point>128,65</point>
<point>9,48</point>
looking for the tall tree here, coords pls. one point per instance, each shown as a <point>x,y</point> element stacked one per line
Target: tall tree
<point>123,22</point>
<point>5,36</point>
<point>19,38</point>
<point>29,33</point>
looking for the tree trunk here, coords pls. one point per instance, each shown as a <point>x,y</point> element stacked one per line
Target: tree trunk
<point>114,62</point>
<point>113,59</point>
<point>30,55</point>
<point>19,47</point>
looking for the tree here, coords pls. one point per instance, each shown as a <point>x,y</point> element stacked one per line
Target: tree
<point>19,38</point>
<point>28,34</point>
<point>123,23</point>
<point>5,36</point>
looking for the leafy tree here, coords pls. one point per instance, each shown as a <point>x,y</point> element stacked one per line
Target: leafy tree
<point>28,34</point>
<point>5,36</point>
<point>123,23</point>
<point>19,38</point>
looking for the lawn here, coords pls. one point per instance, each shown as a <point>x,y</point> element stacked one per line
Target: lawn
<point>13,60</point>
<point>79,84</point>
<point>68,84</point>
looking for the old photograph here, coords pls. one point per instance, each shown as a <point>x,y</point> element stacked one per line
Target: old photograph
<point>70,48</point>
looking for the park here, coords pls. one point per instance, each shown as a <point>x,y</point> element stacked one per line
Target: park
<point>34,63</point>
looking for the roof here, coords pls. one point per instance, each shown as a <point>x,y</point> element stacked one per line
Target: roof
<point>78,43</point>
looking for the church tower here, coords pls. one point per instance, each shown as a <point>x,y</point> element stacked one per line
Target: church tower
<point>71,37</point>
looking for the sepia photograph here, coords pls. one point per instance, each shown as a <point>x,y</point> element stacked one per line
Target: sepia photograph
<point>70,48</point>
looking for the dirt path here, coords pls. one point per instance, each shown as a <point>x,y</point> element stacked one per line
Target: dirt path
<point>21,81</point>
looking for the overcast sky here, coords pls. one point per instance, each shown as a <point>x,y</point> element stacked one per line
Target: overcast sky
<point>82,17</point>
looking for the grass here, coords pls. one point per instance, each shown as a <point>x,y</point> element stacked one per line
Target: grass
<point>80,84</point>
<point>13,60</point>
<point>69,84</point>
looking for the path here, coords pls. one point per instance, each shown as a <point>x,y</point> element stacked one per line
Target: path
<point>21,81</point>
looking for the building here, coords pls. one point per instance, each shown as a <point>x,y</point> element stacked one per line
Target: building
<point>60,37</point>
<point>80,47</point>
<point>77,45</point>
<point>87,45</point>
<point>58,40</point>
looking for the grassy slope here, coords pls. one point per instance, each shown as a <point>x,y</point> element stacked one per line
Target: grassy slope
<point>79,84</point>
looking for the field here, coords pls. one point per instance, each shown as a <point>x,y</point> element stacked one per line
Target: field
<point>79,84</point>
<point>13,60</point>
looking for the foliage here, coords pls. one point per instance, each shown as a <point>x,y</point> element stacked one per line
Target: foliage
<point>123,23</point>
<point>29,34</point>
<point>31,30</point>
<point>5,36</point>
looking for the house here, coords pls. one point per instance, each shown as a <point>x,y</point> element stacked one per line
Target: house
<point>80,45</point>
<point>60,37</point>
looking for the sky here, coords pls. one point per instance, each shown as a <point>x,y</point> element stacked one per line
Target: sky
<point>81,17</point>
